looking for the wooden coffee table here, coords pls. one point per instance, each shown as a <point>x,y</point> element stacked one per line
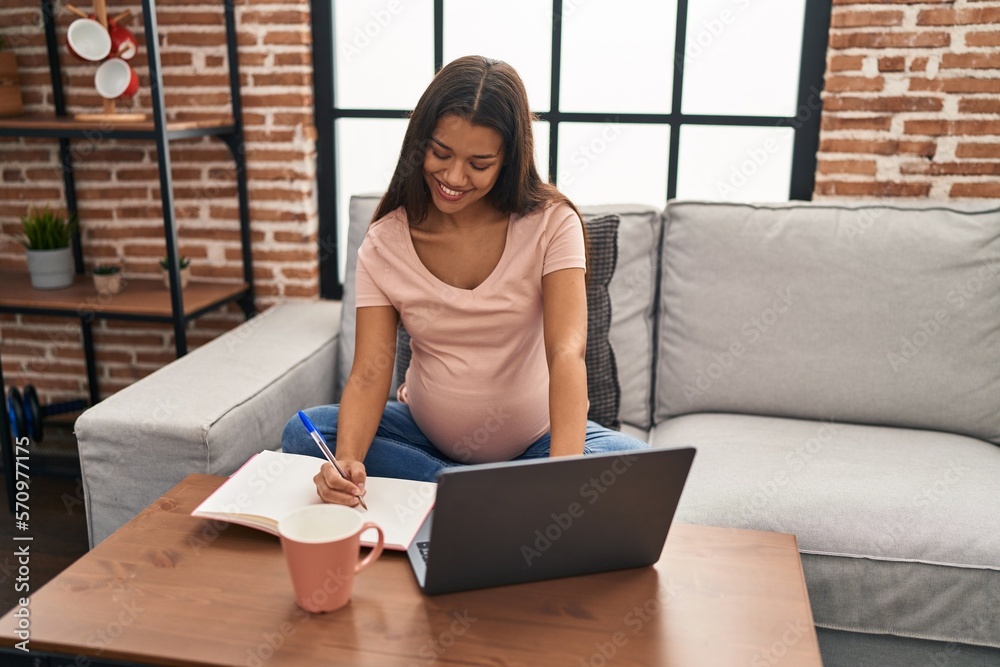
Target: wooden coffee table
<point>169,589</point>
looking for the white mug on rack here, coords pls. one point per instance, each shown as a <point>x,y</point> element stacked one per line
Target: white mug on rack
<point>88,39</point>
<point>116,80</point>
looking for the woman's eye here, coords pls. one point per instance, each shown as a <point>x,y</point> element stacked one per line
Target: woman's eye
<point>478,168</point>
<point>439,156</point>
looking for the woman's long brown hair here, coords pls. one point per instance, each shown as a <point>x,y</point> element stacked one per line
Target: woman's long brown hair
<point>484,92</point>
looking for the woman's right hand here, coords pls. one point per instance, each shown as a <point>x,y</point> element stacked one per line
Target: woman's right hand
<point>361,404</point>
<point>333,488</point>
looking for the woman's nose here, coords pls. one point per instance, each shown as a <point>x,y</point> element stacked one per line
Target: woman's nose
<point>455,175</point>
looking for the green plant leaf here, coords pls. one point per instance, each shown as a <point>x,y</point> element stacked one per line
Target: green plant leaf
<point>182,260</point>
<point>47,230</point>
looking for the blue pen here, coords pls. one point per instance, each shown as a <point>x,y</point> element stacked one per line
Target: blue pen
<point>318,439</point>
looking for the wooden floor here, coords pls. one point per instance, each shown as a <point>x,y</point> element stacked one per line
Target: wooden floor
<point>57,521</point>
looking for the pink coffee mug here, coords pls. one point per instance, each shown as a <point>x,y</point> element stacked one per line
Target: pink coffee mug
<point>123,44</point>
<point>321,544</point>
<point>116,80</point>
<point>88,40</point>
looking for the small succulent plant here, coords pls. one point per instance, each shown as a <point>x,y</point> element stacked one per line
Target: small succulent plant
<point>183,261</point>
<point>106,269</point>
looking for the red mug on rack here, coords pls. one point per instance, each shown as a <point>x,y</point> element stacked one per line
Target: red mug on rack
<point>123,42</point>
<point>116,80</point>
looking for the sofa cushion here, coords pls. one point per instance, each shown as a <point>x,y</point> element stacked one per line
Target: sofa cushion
<point>863,313</point>
<point>854,649</point>
<point>897,527</point>
<point>632,292</point>
<point>207,412</point>
<point>362,208</point>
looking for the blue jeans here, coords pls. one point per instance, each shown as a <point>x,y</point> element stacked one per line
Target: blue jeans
<point>400,449</point>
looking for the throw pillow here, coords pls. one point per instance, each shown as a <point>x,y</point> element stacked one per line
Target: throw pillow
<point>403,354</point>
<point>603,389</point>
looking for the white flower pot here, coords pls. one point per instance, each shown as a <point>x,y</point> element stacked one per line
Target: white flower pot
<point>51,269</point>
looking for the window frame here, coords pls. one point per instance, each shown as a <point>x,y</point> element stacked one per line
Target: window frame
<point>805,123</point>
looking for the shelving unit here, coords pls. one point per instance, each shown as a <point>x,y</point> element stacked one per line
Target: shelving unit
<point>141,300</point>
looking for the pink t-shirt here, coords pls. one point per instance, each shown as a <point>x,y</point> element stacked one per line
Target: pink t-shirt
<point>478,381</point>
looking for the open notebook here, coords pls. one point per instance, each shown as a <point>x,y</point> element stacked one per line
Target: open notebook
<point>272,484</point>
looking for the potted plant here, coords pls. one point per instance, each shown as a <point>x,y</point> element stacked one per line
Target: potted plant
<point>185,265</point>
<point>107,278</point>
<point>48,238</point>
<point>11,103</point>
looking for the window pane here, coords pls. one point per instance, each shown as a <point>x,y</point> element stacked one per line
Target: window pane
<point>384,52</point>
<point>518,32</point>
<point>367,152</point>
<point>617,55</point>
<point>607,163</point>
<point>744,164</point>
<point>742,58</point>
<point>540,132</point>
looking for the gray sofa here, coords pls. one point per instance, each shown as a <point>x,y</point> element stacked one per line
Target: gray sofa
<point>837,367</point>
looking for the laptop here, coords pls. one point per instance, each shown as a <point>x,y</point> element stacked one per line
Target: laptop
<point>508,523</point>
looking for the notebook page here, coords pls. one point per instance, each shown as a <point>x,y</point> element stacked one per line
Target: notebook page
<point>272,484</point>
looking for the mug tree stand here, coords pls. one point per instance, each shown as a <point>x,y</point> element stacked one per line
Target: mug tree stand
<point>110,112</point>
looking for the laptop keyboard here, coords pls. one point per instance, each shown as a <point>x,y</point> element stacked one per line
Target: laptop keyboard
<point>425,549</point>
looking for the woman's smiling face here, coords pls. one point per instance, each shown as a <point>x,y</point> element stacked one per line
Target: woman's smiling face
<point>461,164</point>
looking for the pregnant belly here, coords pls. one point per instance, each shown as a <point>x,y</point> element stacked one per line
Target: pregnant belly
<point>479,429</point>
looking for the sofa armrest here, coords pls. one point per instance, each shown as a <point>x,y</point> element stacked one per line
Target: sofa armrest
<point>206,412</point>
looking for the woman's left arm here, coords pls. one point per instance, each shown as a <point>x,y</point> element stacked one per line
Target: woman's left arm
<point>564,303</point>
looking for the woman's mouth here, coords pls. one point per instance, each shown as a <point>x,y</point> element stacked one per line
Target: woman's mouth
<point>447,193</point>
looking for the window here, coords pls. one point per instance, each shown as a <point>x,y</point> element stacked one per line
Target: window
<point>638,101</point>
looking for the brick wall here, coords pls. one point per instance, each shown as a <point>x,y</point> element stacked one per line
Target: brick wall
<point>911,106</point>
<point>118,186</point>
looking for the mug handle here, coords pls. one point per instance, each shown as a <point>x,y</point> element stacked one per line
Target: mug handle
<point>376,550</point>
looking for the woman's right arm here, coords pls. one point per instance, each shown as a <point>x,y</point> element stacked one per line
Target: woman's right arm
<point>362,403</point>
